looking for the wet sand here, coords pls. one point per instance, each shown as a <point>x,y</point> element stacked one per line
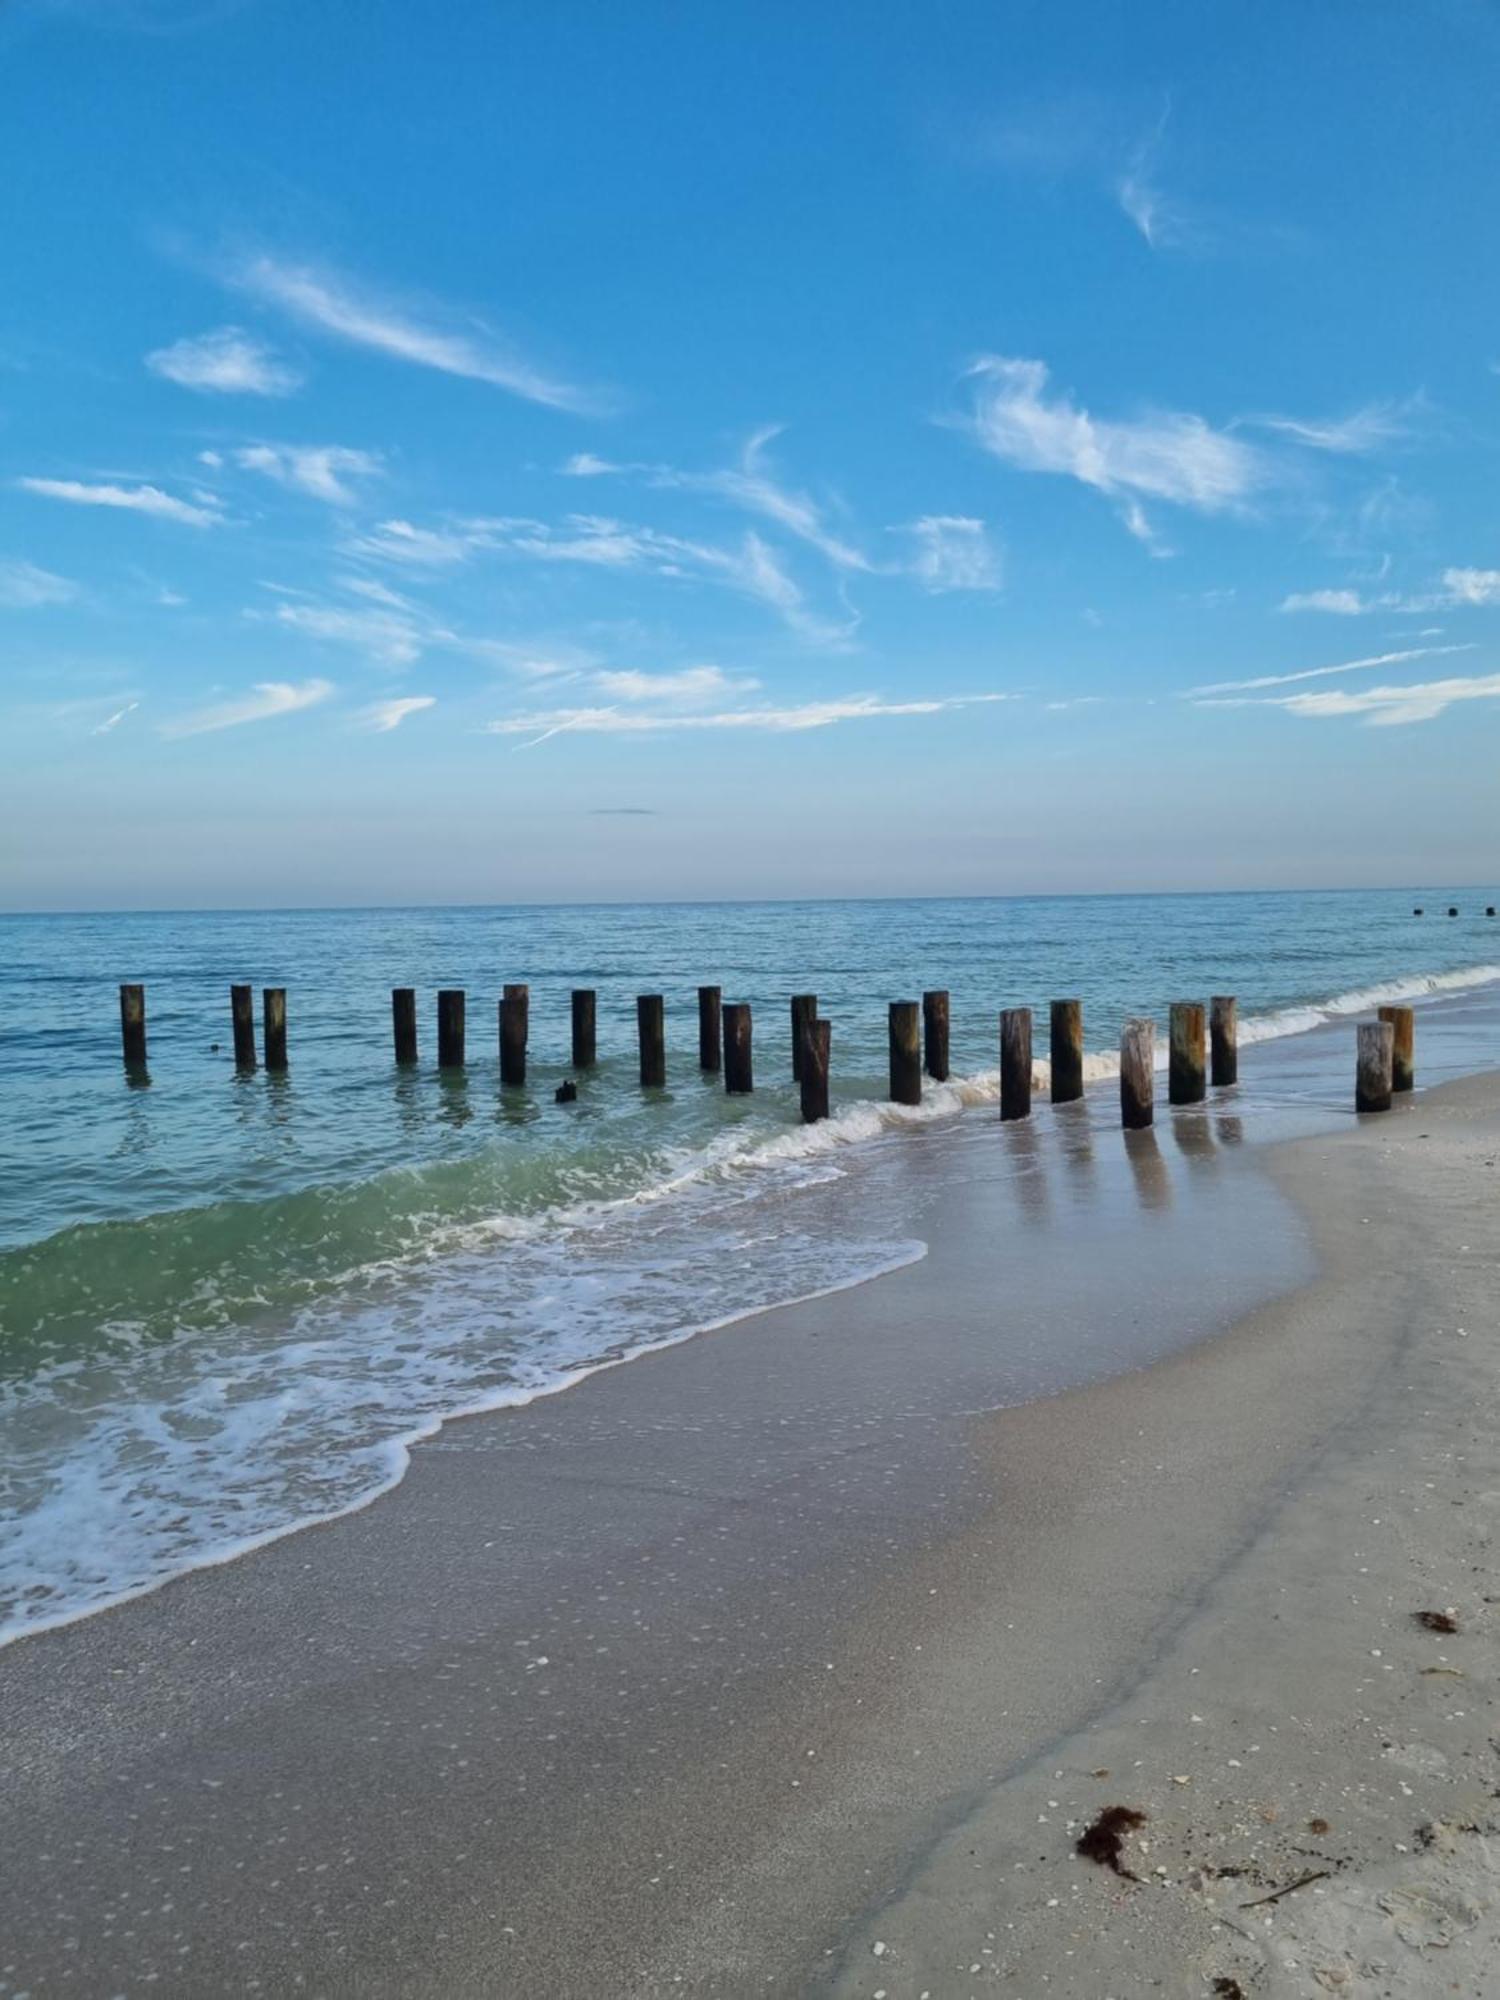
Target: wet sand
<point>684,1680</point>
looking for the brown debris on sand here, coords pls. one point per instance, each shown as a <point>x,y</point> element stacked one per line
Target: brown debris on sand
<point>1436,1621</point>
<point>1103,1840</point>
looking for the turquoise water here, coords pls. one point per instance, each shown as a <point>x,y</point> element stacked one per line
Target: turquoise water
<point>227,1301</point>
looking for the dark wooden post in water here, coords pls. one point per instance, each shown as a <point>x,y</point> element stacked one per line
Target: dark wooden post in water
<point>1137,1080</point>
<point>515,1029</point>
<point>651,1024</point>
<point>935,1014</point>
<point>1185,1083</point>
<point>710,1028</point>
<point>814,1077</point>
<point>133,1026</point>
<point>1403,1049</point>
<point>1067,1051</point>
<point>738,1076</point>
<point>804,1009</point>
<point>242,1017</point>
<point>1015,1063</point>
<point>1372,1074</point>
<point>273,1025</point>
<point>1224,1039</point>
<point>451,1028</point>
<point>584,1045</point>
<point>404,1022</point>
<point>906,1052</point>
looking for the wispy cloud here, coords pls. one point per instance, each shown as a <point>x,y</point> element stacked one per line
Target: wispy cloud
<point>1383,707</point>
<point>227,362</point>
<point>390,638</point>
<point>1360,431</point>
<point>1472,586</point>
<point>1162,224</point>
<point>1322,673</point>
<point>1458,588</point>
<point>113,721</point>
<point>688,687</point>
<point>953,552</point>
<point>384,716</point>
<point>1341,603</point>
<point>24,587</point>
<point>265,700</point>
<point>325,471</point>
<point>135,499</point>
<point>538,727</point>
<point>428,337</point>
<point>420,548</point>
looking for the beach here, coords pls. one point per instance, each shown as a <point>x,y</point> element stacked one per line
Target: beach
<point>781,1660</point>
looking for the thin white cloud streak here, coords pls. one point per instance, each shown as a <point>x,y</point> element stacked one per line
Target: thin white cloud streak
<point>25,587</point>
<point>390,638</point>
<point>1361,431</point>
<point>1340,603</point>
<point>384,716</point>
<point>265,700</point>
<point>1459,588</point>
<point>135,499</point>
<point>324,471</point>
<point>1382,707</point>
<point>954,552</point>
<point>332,304</point>
<point>113,721</point>
<point>419,548</point>
<point>1323,673</point>
<point>685,688</point>
<point>227,362</point>
<point>774,721</point>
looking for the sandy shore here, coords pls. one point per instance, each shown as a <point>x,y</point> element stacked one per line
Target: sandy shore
<point>727,1667</point>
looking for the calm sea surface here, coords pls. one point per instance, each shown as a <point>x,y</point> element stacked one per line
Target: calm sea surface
<point>228,1302</point>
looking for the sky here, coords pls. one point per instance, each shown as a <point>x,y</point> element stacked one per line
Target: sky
<point>511,452</point>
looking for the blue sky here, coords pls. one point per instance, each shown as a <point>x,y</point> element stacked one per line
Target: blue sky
<point>513,452</point>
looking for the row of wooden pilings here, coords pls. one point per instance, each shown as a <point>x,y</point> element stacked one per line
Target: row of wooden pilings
<point>1203,1045</point>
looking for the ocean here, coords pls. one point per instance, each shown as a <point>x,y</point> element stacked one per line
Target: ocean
<point>230,1302</point>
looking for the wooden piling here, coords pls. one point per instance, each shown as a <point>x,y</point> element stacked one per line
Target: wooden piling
<point>242,1018</point>
<point>1417,911</point>
<point>515,1032</point>
<point>738,1072</point>
<point>1185,1078</point>
<point>814,1078</point>
<point>133,1026</point>
<point>1373,1066</point>
<point>1067,1051</point>
<point>1489,909</point>
<point>1403,1022</point>
<point>804,1009</point>
<point>450,1012</point>
<point>1453,909</point>
<point>273,1025</point>
<point>710,1028</point>
<point>1137,1075</point>
<point>1015,1063</point>
<point>651,1026</point>
<point>1224,1040</point>
<point>404,1022</point>
<point>935,1019</point>
<point>906,1052</point>
<point>584,1008</point>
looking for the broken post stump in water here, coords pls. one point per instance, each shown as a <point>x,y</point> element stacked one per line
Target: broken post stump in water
<point>242,1018</point>
<point>273,1025</point>
<point>450,1012</point>
<point>738,1074</point>
<point>804,1009</point>
<point>404,1022</point>
<point>1015,1063</point>
<point>566,1092</point>
<point>1224,1039</point>
<point>651,1026</point>
<point>1372,1073</point>
<point>515,1032</point>
<point>1137,1077</point>
<point>814,1079</point>
<point>710,1028</point>
<point>935,1018</point>
<point>1185,1084</point>
<point>133,1026</point>
<point>1067,1051</point>
<point>583,1008</point>
<point>906,1052</point>
<point>1403,1023</point>
<point>1453,909</point>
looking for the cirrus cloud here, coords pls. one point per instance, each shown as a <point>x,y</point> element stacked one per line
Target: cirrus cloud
<point>227,362</point>
<point>263,701</point>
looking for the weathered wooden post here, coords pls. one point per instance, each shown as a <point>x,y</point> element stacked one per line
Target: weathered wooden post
<point>133,1026</point>
<point>1372,1073</point>
<point>273,1024</point>
<point>583,1009</point>
<point>1015,1063</point>
<point>738,1074</point>
<point>1224,1039</point>
<point>935,1021</point>
<point>814,1077</point>
<point>1137,1074</point>
<point>450,1010</point>
<point>515,1032</point>
<point>1489,909</point>
<point>1067,1051</point>
<point>242,1018</point>
<point>906,1052</point>
<point>1403,1022</point>
<point>1185,1083</point>
<point>710,1028</point>
<point>804,1009</point>
<point>1453,909</point>
<point>404,1022</point>
<point>651,1026</point>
